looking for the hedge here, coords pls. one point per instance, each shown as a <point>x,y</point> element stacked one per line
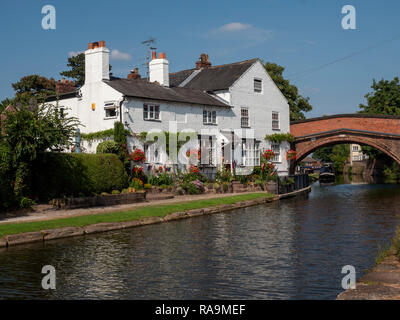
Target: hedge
<point>108,146</point>
<point>6,178</point>
<point>61,174</point>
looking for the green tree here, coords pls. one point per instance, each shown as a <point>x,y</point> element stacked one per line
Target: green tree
<point>77,72</point>
<point>33,88</point>
<point>30,131</point>
<point>384,99</point>
<point>337,154</point>
<point>340,155</point>
<point>323,154</point>
<point>297,103</point>
<point>77,69</point>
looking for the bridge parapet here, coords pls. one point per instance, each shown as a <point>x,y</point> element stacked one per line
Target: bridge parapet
<point>357,122</point>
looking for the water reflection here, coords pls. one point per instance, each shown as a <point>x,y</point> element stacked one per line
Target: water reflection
<point>294,249</point>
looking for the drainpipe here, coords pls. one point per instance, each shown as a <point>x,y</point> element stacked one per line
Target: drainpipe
<point>120,107</point>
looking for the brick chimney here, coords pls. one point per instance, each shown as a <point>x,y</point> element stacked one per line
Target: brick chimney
<point>203,62</point>
<point>134,74</point>
<point>97,62</point>
<point>65,86</point>
<point>159,69</point>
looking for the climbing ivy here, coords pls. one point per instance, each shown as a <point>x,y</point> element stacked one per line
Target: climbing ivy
<point>280,137</point>
<point>100,135</point>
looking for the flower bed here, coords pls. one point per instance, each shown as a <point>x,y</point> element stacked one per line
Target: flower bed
<point>101,200</point>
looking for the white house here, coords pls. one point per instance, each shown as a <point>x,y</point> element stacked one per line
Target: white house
<point>236,102</point>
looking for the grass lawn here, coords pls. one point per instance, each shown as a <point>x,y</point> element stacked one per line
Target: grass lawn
<point>141,212</point>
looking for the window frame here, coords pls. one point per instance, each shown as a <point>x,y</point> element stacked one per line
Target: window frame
<point>258,90</point>
<point>108,106</point>
<point>251,156</point>
<point>151,109</point>
<point>244,117</point>
<point>209,116</point>
<point>278,128</point>
<point>277,156</point>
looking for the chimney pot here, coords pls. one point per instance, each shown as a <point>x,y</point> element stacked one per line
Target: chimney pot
<point>204,61</point>
<point>153,55</point>
<point>162,55</point>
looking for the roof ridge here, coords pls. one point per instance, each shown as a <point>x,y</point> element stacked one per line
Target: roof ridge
<point>218,66</point>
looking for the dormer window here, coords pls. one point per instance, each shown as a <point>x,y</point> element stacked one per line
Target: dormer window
<point>258,85</point>
<point>110,110</point>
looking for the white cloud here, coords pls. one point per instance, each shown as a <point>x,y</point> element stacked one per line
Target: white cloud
<point>118,55</point>
<point>233,26</point>
<point>74,53</point>
<point>235,36</point>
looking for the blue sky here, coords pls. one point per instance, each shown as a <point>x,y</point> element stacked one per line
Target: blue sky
<point>297,34</point>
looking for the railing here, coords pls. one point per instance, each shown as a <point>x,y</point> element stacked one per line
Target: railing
<point>292,183</point>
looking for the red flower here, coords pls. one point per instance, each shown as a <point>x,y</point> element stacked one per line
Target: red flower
<point>194,169</point>
<point>291,155</point>
<point>268,154</point>
<point>138,155</point>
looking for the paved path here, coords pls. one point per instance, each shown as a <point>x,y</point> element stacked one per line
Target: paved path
<point>56,214</point>
<point>382,283</point>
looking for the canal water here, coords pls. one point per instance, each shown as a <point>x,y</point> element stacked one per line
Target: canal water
<point>294,249</point>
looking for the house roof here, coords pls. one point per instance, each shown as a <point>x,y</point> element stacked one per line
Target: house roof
<point>143,89</point>
<point>212,78</point>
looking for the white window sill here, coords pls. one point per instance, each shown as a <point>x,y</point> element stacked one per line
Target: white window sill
<point>153,120</point>
<point>210,124</point>
<point>110,118</point>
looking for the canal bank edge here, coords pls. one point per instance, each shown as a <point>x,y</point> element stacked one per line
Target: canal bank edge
<point>383,281</point>
<point>65,232</point>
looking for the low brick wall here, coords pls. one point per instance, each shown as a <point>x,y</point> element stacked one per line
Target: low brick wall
<point>97,201</point>
<point>233,187</point>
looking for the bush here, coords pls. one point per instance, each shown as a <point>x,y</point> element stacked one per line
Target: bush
<point>115,192</point>
<point>26,203</point>
<point>108,146</point>
<point>162,178</point>
<point>223,175</point>
<point>136,183</point>
<point>147,186</point>
<point>61,174</point>
<point>193,187</point>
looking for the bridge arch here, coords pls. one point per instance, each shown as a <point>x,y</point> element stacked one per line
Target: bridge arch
<point>380,132</point>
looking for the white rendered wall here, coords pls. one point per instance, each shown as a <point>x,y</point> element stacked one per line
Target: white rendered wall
<point>261,105</point>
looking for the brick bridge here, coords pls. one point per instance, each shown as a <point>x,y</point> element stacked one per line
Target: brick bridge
<point>378,131</point>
